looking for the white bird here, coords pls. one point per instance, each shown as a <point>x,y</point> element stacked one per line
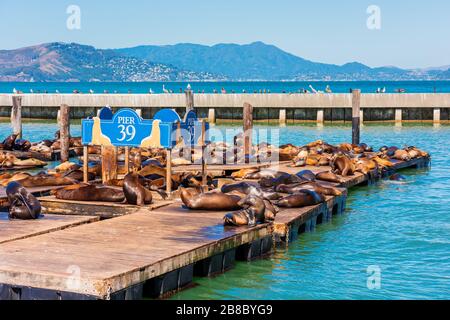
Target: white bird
<point>15,91</point>
<point>189,86</point>
<point>57,91</point>
<point>165,90</point>
<point>150,91</point>
<point>31,91</point>
<point>91,91</point>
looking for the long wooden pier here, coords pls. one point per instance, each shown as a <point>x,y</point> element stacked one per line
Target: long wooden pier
<point>150,253</point>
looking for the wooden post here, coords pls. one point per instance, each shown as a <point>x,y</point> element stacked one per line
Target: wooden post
<point>248,130</point>
<point>189,100</point>
<point>204,169</point>
<point>320,117</point>
<point>169,173</point>
<point>437,115</point>
<point>127,160</point>
<point>16,116</point>
<point>356,121</point>
<point>64,130</point>
<point>85,164</point>
<point>398,116</point>
<point>109,163</point>
<point>212,115</point>
<point>139,112</point>
<point>282,117</point>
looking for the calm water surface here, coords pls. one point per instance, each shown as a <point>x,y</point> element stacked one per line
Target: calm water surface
<point>403,228</point>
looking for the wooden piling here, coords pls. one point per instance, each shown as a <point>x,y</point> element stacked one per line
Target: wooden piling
<point>127,160</point>
<point>85,164</point>
<point>282,117</point>
<point>64,129</point>
<point>356,121</point>
<point>248,130</point>
<point>109,163</point>
<point>212,115</point>
<point>437,115</point>
<point>189,100</point>
<point>320,116</point>
<point>169,173</point>
<point>16,116</point>
<point>398,116</point>
<point>204,169</point>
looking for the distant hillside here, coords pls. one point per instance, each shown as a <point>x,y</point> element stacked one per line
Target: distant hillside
<point>259,61</point>
<point>74,62</point>
<point>186,62</point>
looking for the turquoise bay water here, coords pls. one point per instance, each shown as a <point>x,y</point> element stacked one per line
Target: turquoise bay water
<point>403,228</point>
<point>237,87</point>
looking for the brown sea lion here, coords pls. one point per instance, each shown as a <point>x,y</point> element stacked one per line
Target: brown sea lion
<point>30,162</point>
<point>299,200</point>
<point>8,143</point>
<point>285,178</point>
<point>306,175</point>
<point>84,192</point>
<point>214,201</point>
<point>253,212</point>
<point>46,180</point>
<point>243,172</point>
<point>383,162</point>
<point>22,204</point>
<point>22,145</point>
<point>401,155</point>
<point>15,177</point>
<point>67,166</point>
<point>313,186</point>
<point>134,190</point>
<point>250,188</point>
<point>342,165</point>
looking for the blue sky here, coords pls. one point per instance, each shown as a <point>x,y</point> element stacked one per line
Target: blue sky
<point>413,33</point>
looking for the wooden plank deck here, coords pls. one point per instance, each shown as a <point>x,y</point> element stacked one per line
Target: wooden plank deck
<point>118,253</point>
<point>11,230</point>
<point>37,191</point>
<point>104,210</point>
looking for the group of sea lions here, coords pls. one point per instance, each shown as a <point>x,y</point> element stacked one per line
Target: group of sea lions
<point>9,160</point>
<point>12,143</point>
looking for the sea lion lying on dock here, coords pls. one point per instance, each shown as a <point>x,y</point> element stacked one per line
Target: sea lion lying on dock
<point>304,198</point>
<point>251,188</point>
<point>329,177</point>
<point>67,166</point>
<point>313,186</point>
<point>46,180</point>
<point>78,175</point>
<point>22,204</point>
<point>284,178</point>
<point>22,145</point>
<point>307,175</point>
<point>90,192</point>
<point>343,165</point>
<point>253,212</point>
<point>195,200</point>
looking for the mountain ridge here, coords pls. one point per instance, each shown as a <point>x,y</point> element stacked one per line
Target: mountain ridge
<point>59,61</point>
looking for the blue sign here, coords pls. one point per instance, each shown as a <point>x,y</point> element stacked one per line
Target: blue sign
<point>191,129</point>
<point>167,115</point>
<point>126,129</point>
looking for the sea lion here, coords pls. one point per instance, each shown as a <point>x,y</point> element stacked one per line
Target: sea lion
<point>22,145</point>
<point>243,172</point>
<point>343,165</point>
<point>23,205</point>
<point>253,212</point>
<point>84,192</point>
<point>249,188</point>
<point>313,186</point>
<point>8,143</point>
<point>264,173</point>
<point>67,166</point>
<point>397,177</point>
<point>46,180</point>
<point>401,155</point>
<point>134,190</point>
<point>383,162</point>
<point>30,163</point>
<point>285,178</point>
<point>15,177</point>
<point>215,201</point>
<point>299,200</point>
<point>307,175</point>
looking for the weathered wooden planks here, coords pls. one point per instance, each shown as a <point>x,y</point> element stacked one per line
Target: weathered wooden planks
<point>11,230</point>
<point>115,254</point>
<point>104,210</point>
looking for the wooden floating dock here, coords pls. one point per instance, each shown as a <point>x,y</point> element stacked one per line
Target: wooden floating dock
<point>37,191</point>
<point>151,253</point>
<point>21,229</point>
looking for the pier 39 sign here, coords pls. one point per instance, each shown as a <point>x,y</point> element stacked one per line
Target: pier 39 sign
<point>127,129</point>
